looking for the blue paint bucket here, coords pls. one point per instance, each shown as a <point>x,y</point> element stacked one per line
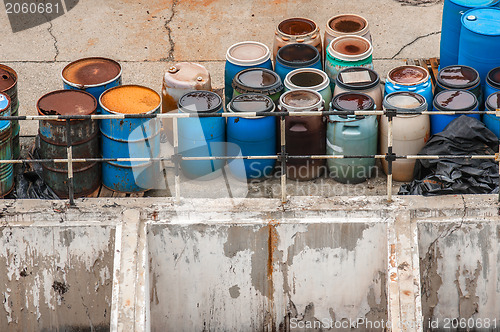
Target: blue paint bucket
<point>451,25</point>
<point>251,136</point>
<point>492,82</point>
<point>452,100</point>
<point>240,56</point>
<point>492,122</point>
<point>93,75</point>
<point>479,45</point>
<point>6,170</point>
<point>414,79</point>
<point>201,136</point>
<point>295,56</point>
<point>130,138</point>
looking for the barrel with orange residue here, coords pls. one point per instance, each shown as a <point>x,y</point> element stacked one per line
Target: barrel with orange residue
<point>181,78</point>
<point>130,138</point>
<point>84,139</point>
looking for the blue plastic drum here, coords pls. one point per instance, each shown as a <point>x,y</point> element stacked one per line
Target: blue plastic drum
<point>240,56</point>
<point>93,75</point>
<point>452,100</point>
<point>451,25</point>
<point>492,122</point>
<point>251,137</point>
<point>295,56</point>
<point>201,136</point>
<point>492,82</point>
<point>479,45</point>
<point>410,78</point>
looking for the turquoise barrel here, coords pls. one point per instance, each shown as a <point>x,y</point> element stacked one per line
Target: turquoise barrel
<point>258,80</point>
<point>84,138</point>
<point>414,79</point>
<point>312,79</point>
<point>130,138</point>
<point>244,55</point>
<point>351,135</point>
<point>491,121</point>
<point>295,56</point>
<point>451,27</point>
<point>479,45</point>
<point>93,75</point>
<point>6,170</point>
<point>452,100</point>
<point>492,82</point>
<point>201,136</point>
<point>251,136</point>
<point>8,85</point>
<point>459,77</point>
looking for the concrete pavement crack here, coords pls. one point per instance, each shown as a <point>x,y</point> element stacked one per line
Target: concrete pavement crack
<point>170,56</point>
<point>49,29</point>
<point>414,41</point>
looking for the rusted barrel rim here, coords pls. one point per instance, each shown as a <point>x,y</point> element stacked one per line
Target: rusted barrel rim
<point>12,71</point>
<point>59,91</point>
<point>83,86</point>
<point>156,108</point>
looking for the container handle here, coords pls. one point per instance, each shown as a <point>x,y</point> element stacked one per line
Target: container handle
<point>412,88</point>
<point>299,127</point>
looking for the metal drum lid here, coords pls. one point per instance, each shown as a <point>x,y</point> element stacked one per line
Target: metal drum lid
<point>484,21</point>
<point>257,80</point>
<point>458,77</point>
<point>200,102</point>
<point>67,102</point>
<point>7,78</point>
<point>456,100</point>
<point>130,99</point>
<point>91,71</point>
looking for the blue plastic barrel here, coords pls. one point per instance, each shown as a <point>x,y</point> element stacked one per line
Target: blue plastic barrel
<point>130,138</point>
<point>492,82</point>
<point>201,136</point>
<point>452,100</point>
<point>295,56</point>
<point>251,136</point>
<point>6,170</point>
<point>479,45</point>
<point>93,75</point>
<point>414,79</point>
<point>492,122</point>
<point>240,56</point>
<point>451,25</point>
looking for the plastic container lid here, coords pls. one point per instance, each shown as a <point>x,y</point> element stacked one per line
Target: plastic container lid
<point>475,3</point>
<point>297,26</point>
<point>200,102</point>
<point>251,102</point>
<point>458,77</point>
<point>347,23</point>
<point>4,101</point>
<point>8,78</point>
<point>493,101</point>
<point>301,100</point>
<point>248,53</point>
<point>91,72</point>
<point>352,101</point>
<point>350,48</point>
<point>67,102</point>
<point>357,78</point>
<point>408,75</point>
<point>259,80</point>
<point>455,100</point>
<point>184,74</point>
<point>307,78</point>
<point>493,77</point>
<point>484,21</point>
<point>405,100</point>
<point>298,55</point>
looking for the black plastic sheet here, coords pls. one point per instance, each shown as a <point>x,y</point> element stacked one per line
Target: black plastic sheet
<point>463,136</point>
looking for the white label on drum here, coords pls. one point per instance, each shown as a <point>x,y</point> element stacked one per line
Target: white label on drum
<point>335,148</point>
<point>356,77</point>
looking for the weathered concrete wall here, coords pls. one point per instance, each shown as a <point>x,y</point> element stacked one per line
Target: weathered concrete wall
<point>56,278</point>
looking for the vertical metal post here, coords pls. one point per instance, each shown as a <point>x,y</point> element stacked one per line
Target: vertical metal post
<point>390,157</point>
<point>70,163</point>
<point>283,159</point>
<point>176,162</point>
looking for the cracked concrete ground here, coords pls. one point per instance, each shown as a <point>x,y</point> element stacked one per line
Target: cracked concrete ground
<point>147,37</point>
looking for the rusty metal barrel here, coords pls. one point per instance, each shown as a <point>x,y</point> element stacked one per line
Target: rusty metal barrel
<point>6,170</point>
<point>8,85</point>
<point>84,139</point>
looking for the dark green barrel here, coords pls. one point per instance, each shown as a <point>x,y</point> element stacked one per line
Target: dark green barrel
<point>8,85</point>
<point>84,135</point>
